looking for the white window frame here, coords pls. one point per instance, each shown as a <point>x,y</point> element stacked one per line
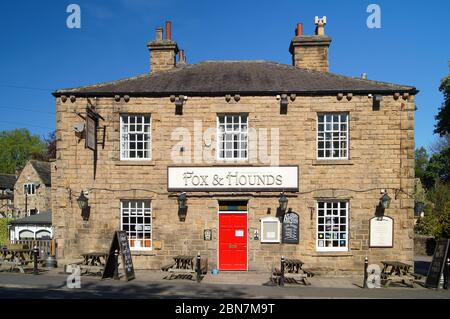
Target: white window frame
<point>26,188</point>
<point>347,232</point>
<point>133,248</point>
<point>278,234</point>
<point>124,158</point>
<point>325,131</point>
<point>218,146</point>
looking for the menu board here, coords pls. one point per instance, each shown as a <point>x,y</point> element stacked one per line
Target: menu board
<point>381,232</point>
<point>120,243</point>
<point>437,264</point>
<point>290,228</point>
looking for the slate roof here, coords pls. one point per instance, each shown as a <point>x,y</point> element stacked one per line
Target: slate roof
<point>43,170</point>
<point>7,181</point>
<point>214,78</point>
<point>41,218</point>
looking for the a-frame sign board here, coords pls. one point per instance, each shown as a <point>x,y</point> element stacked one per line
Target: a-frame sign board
<point>437,265</point>
<point>120,243</point>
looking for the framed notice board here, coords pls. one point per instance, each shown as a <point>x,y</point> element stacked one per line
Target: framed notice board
<point>437,264</point>
<point>120,243</point>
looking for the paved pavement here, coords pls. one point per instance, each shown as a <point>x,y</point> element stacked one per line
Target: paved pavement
<point>150,285</point>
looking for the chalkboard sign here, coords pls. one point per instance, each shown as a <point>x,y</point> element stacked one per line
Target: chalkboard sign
<point>120,243</point>
<point>290,230</point>
<point>437,264</point>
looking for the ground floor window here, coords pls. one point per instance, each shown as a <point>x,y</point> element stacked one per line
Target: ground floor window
<point>332,226</point>
<point>136,220</point>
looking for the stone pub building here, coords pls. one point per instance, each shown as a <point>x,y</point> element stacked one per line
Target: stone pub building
<point>242,161</point>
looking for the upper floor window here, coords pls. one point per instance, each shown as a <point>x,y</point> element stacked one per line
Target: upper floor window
<point>232,136</point>
<point>29,189</point>
<point>135,137</point>
<point>332,136</point>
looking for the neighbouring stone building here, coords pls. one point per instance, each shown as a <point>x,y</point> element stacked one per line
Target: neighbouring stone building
<point>7,182</point>
<point>203,157</point>
<point>32,190</point>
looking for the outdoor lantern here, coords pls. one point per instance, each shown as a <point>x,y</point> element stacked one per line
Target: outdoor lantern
<point>182,207</point>
<point>283,200</point>
<point>385,201</point>
<point>182,201</point>
<point>82,201</point>
<point>418,208</point>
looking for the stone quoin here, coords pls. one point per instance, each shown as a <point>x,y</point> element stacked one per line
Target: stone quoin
<point>336,158</point>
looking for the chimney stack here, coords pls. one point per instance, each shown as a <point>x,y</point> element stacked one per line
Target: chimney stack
<point>181,58</point>
<point>163,53</point>
<point>311,51</point>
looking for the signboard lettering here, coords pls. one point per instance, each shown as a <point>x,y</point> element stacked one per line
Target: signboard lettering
<point>282,178</point>
<point>290,228</point>
<point>381,232</point>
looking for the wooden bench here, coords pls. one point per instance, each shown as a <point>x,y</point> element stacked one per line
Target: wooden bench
<point>293,273</point>
<point>185,267</point>
<point>397,272</point>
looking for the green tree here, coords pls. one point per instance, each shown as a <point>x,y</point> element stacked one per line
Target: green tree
<point>17,147</point>
<point>442,126</point>
<point>438,169</point>
<point>421,159</point>
<point>436,220</point>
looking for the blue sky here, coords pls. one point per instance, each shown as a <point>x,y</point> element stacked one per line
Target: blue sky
<point>39,54</point>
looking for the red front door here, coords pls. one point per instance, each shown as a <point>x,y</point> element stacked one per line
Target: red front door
<point>233,241</point>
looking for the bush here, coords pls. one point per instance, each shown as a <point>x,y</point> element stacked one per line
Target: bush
<point>4,236</point>
<point>436,221</point>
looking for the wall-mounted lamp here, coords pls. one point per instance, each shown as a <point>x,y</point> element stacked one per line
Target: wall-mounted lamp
<point>283,201</point>
<point>83,203</point>
<point>182,207</point>
<point>418,209</point>
<point>385,201</point>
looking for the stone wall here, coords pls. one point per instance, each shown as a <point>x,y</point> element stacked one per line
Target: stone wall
<point>381,157</point>
<point>311,57</point>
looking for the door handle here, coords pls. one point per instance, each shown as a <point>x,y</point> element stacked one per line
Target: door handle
<point>231,246</point>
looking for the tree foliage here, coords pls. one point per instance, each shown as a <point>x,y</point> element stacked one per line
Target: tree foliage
<point>442,126</point>
<point>17,147</point>
<point>421,158</point>
<point>436,220</point>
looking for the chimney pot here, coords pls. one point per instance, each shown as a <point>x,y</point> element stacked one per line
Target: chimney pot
<point>159,34</point>
<point>320,25</point>
<point>299,30</point>
<point>168,30</point>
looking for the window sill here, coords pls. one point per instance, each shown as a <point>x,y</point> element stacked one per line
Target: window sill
<point>332,162</point>
<point>134,163</point>
<point>332,254</point>
<point>143,253</point>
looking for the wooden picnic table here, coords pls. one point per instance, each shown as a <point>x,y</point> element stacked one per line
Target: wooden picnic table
<point>184,267</point>
<point>293,273</point>
<point>16,258</point>
<point>93,263</point>
<point>397,272</point>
